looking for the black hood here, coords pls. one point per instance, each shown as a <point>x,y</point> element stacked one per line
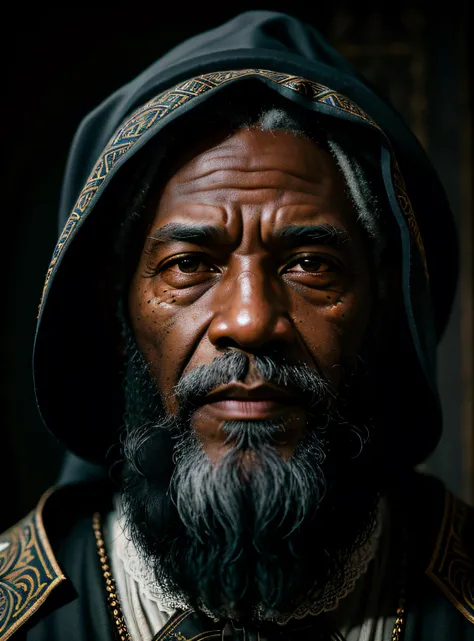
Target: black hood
<point>75,363</point>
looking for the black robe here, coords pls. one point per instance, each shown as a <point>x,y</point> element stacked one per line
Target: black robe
<point>52,586</point>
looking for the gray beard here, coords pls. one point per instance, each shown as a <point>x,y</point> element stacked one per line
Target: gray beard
<point>253,534</point>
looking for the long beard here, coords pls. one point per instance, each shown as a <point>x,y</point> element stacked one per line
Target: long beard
<point>253,534</point>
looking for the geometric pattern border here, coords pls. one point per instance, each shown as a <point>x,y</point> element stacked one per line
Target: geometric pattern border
<point>148,116</point>
<point>451,567</point>
<point>407,209</point>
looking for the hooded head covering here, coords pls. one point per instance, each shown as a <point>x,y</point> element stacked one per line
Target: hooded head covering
<point>76,366</point>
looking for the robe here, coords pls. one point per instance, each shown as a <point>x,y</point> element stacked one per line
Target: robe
<point>52,584</point>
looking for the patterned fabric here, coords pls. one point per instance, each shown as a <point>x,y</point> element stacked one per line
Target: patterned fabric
<point>452,567</point>
<point>29,574</point>
<point>28,571</point>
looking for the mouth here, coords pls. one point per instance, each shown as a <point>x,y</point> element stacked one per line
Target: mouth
<point>233,402</point>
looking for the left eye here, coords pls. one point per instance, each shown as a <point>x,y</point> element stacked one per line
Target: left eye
<point>311,265</point>
<point>191,265</point>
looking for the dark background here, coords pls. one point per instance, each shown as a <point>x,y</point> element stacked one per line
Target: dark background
<point>59,63</point>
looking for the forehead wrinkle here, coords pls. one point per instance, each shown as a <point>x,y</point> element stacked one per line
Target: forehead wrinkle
<point>239,148</point>
<point>301,213</point>
<point>186,211</point>
<point>232,199</point>
<point>254,163</point>
<point>315,177</point>
<point>228,198</point>
<point>280,190</point>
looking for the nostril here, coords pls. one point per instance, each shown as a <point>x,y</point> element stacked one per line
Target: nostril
<point>225,342</point>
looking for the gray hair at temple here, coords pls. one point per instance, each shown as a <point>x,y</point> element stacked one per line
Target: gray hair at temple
<point>357,182</point>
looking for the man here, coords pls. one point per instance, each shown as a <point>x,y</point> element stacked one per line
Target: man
<point>239,323</point>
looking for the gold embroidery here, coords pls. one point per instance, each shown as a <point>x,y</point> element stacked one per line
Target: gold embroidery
<point>28,571</point>
<point>341,102</point>
<point>451,568</point>
<point>202,636</point>
<point>172,624</point>
<point>406,207</point>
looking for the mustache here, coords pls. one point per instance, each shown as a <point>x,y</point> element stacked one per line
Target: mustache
<point>234,366</point>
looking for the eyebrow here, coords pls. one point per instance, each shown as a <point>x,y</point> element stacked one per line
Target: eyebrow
<point>323,234</point>
<point>198,234</point>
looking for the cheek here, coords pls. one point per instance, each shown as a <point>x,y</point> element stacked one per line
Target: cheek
<point>153,315</point>
<point>165,329</point>
<point>334,333</point>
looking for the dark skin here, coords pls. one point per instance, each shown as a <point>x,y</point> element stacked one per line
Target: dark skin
<point>243,279</point>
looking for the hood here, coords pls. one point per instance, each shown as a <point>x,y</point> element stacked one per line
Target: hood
<point>76,368</point>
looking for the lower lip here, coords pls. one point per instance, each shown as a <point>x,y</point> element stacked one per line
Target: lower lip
<point>249,409</point>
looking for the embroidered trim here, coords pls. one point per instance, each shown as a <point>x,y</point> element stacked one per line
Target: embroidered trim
<point>149,115</point>
<point>407,209</point>
<point>172,624</point>
<point>28,570</point>
<point>180,626</point>
<point>451,568</point>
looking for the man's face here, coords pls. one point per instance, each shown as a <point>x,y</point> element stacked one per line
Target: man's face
<point>253,247</point>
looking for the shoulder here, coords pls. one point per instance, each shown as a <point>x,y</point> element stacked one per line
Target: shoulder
<point>451,564</point>
<point>29,571</point>
<point>32,579</point>
<point>440,530</point>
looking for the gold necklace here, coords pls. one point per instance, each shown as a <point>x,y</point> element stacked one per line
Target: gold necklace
<point>119,620</point>
<point>399,624</point>
<point>112,597</point>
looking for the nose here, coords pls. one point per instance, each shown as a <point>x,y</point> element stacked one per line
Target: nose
<point>251,314</point>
